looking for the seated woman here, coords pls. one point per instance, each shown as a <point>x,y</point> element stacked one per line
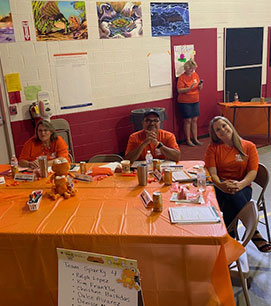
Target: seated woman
<point>45,142</point>
<point>233,164</point>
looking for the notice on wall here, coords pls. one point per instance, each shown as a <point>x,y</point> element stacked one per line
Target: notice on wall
<point>97,280</point>
<point>13,82</point>
<point>159,69</point>
<point>182,54</point>
<point>73,80</point>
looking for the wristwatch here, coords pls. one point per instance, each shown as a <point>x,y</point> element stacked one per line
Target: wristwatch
<point>159,145</point>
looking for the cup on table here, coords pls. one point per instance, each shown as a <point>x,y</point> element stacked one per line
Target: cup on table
<point>262,100</point>
<point>43,163</point>
<point>142,175</point>
<point>125,166</point>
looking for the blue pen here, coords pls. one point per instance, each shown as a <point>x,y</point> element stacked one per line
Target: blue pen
<point>177,166</point>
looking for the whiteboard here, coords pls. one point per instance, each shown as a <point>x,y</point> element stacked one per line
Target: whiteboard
<point>97,280</point>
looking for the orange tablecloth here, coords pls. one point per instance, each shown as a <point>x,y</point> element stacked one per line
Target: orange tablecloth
<point>251,118</point>
<point>179,264</point>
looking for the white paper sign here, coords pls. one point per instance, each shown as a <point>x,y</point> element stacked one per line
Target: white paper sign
<point>159,69</point>
<point>182,54</point>
<point>98,280</point>
<point>73,80</point>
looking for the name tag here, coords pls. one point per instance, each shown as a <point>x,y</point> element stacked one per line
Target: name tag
<point>2,180</point>
<point>157,174</point>
<point>24,177</point>
<point>146,199</point>
<point>83,177</point>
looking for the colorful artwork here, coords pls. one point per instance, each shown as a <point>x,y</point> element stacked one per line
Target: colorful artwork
<point>119,19</point>
<point>182,54</point>
<point>60,20</point>
<point>6,24</point>
<point>169,19</point>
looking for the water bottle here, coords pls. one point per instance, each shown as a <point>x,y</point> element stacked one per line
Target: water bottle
<point>235,97</point>
<point>201,179</point>
<point>149,161</point>
<point>14,165</point>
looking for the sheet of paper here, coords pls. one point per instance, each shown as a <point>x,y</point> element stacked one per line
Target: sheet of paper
<point>31,92</point>
<point>73,81</point>
<point>164,163</point>
<point>95,279</point>
<point>13,82</point>
<point>193,214</point>
<point>112,166</point>
<point>159,69</point>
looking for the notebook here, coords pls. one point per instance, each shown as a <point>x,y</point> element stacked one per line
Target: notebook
<point>193,214</point>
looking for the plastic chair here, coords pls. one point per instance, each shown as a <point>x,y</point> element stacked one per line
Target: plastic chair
<point>248,215</point>
<point>262,180</point>
<point>62,128</point>
<point>105,158</point>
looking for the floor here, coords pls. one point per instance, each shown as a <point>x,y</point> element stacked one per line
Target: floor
<point>260,263</point>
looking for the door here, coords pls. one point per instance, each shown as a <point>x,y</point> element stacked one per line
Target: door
<point>6,140</point>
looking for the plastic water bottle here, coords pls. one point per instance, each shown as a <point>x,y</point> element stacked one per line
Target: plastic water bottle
<point>149,161</point>
<point>201,179</point>
<point>235,97</point>
<point>14,165</point>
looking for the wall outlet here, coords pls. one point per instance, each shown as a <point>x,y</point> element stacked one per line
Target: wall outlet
<point>13,110</point>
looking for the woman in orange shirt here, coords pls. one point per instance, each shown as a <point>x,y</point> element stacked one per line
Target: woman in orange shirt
<point>188,87</point>
<point>45,142</point>
<point>233,165</point>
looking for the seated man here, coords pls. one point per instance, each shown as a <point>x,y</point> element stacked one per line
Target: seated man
<point>161,143</point>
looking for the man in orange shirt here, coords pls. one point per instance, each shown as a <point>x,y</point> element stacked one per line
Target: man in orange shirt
<point>161,143</point>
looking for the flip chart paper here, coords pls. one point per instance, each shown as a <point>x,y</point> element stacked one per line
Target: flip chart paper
<point>182,54</point>
<point>95,279</point>
<point>73,80</point>
<point>159,69</point>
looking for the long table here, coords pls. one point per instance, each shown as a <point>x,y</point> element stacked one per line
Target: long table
<point>246,118</point>
<point>179,264</point>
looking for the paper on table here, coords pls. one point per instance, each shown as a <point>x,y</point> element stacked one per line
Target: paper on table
<point>198,199</point>
<point>164,163</point>
<point>183,176</point>
<point>193,214</point>
<point>112,166</point>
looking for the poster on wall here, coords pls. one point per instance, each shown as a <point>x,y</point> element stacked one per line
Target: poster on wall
<point>169,19</point>
<point>182,54</point>
<point>6,24</point>
<point>60,20</point>
<point>95,279</point>
<point>119,19</point>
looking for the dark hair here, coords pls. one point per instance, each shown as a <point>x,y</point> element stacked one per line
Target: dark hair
<point>48,125</point>
<point>236,139</point>
<point>151,112</point>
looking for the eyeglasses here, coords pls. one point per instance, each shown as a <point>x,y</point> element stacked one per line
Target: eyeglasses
<point>43,131</point>
<point>152,120</point>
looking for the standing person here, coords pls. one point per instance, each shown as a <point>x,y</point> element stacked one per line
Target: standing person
<point>161,143</point>
<point>189,86</point>
<point>233,164</point>
<point>45,142</point>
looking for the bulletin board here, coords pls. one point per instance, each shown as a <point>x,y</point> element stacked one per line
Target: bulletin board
<point>243,63</point>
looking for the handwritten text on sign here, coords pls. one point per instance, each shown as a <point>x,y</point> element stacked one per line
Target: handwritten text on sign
<point>96,280</point>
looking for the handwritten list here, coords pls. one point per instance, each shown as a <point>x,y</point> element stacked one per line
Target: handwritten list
<point>96,280</point>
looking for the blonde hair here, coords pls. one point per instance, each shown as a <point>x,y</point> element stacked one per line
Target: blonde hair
<point>190,64</point>
<point>236,139</point>
<point>48,125</point>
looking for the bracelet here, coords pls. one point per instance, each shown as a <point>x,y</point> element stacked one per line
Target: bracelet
<point>159,145</point>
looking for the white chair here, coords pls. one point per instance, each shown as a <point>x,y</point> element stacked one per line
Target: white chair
<point>259,99</point>
<point>62,128</point>
<point>248,215</point>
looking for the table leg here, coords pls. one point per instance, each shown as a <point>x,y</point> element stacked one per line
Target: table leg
<point>234,113</point>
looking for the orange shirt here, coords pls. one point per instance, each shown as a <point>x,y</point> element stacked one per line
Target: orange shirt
<point>32,149</point>
<point>137,138</point>
<point>185,81</point>
<point>228,162</point>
